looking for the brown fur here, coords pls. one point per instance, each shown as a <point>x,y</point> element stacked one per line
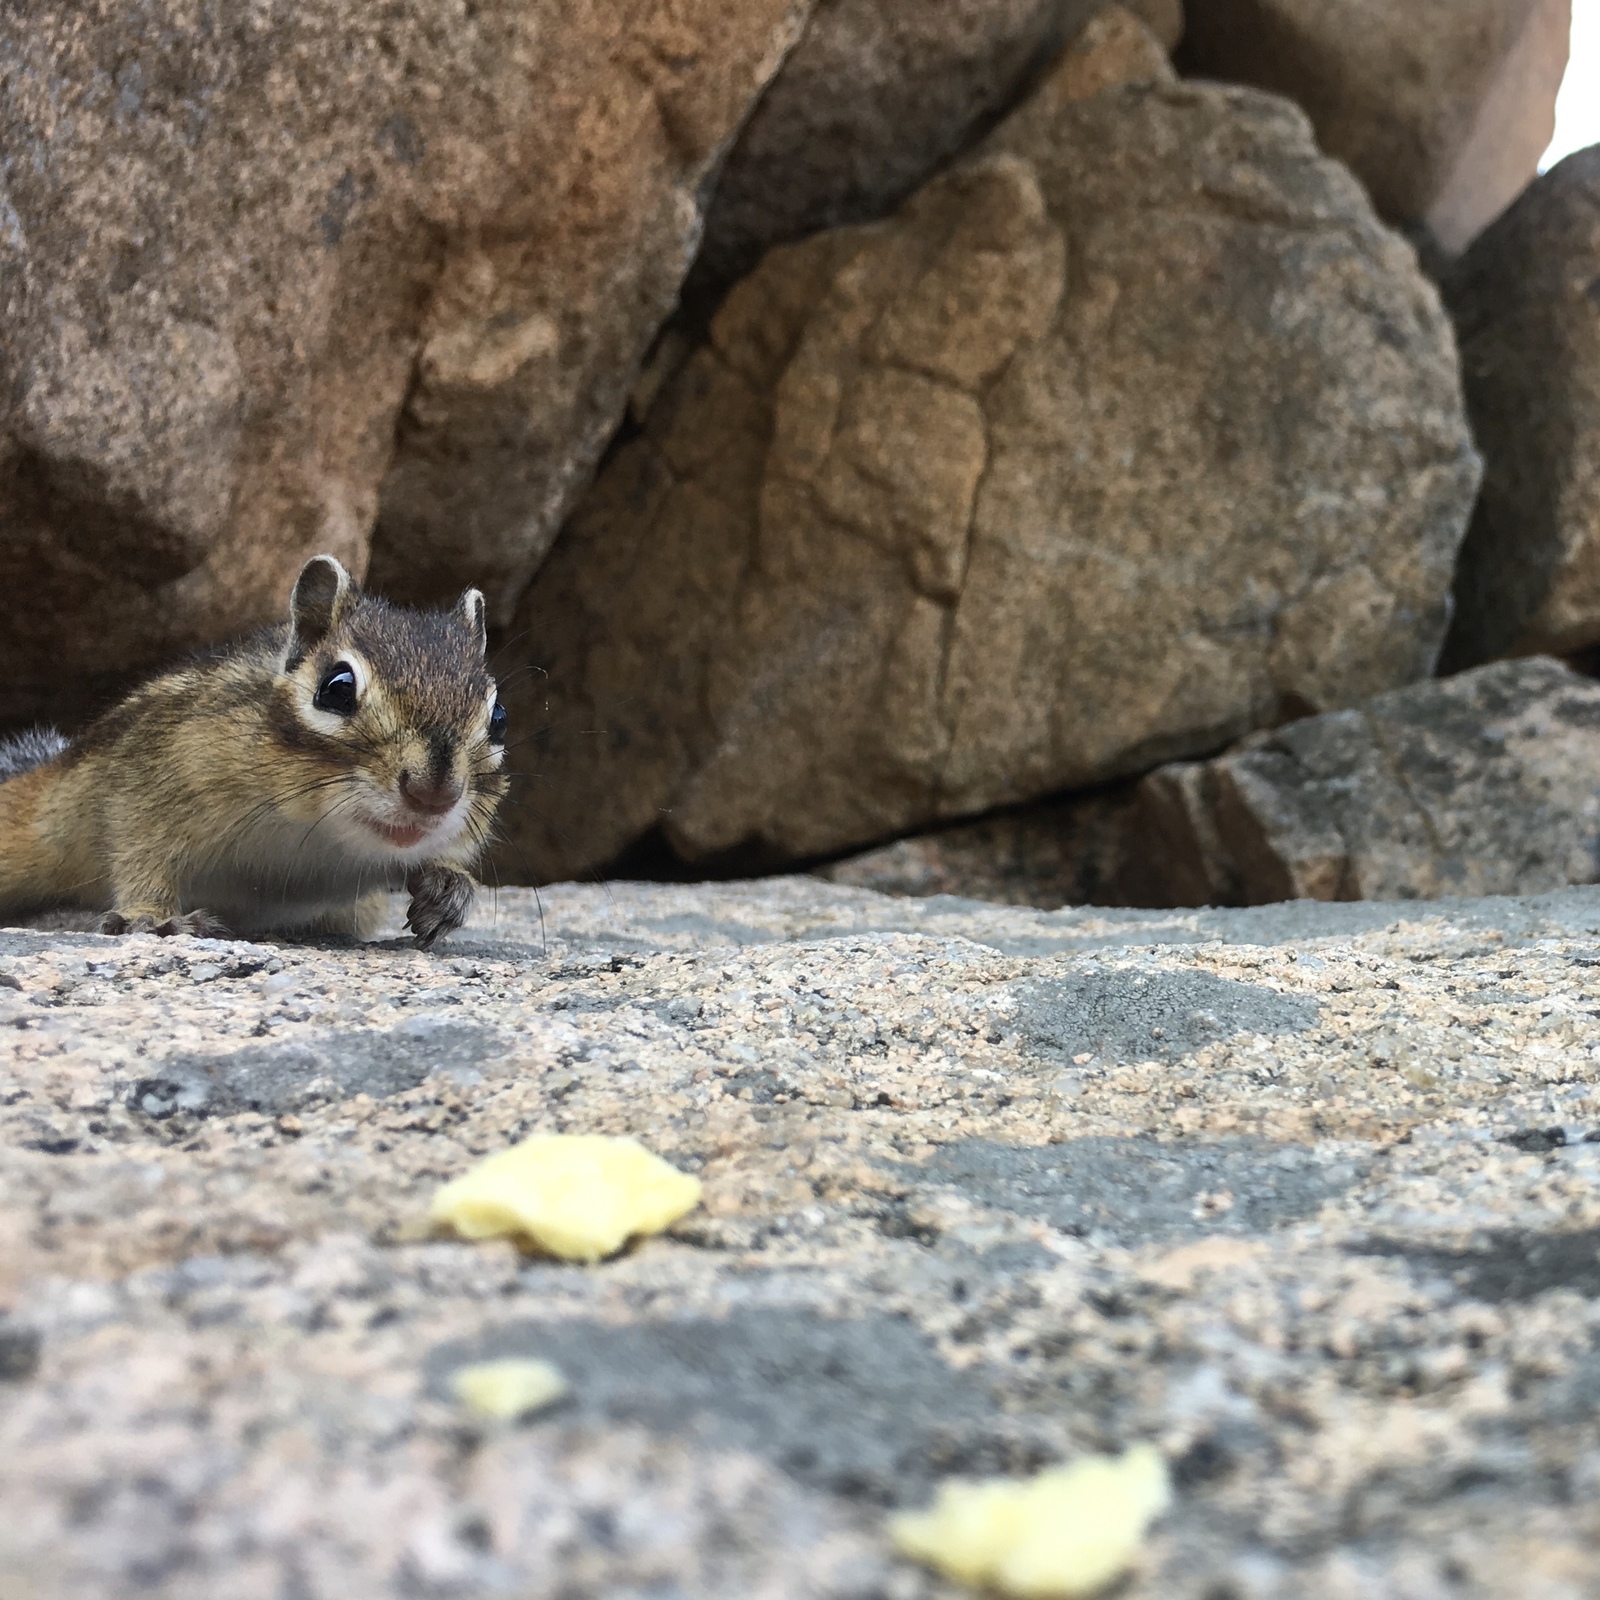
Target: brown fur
<point>217,795</point>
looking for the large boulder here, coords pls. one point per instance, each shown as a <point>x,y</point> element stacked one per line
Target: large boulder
<point>1510,133</point>
<point>1442,107</point>
<point>1526,299</point>
<point>1133,432</point>
<point>874,100</point>
<point>1485,783</point>
<point>260,277</point>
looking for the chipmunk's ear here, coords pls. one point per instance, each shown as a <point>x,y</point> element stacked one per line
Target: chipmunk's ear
<point>472,611</point>
<point>321,593</point>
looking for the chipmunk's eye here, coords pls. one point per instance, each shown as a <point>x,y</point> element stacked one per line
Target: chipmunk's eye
<point>337,691</point>
<point>497,724</point>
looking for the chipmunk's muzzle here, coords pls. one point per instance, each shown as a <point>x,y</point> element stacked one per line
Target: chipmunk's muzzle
<point>428,805</point>
<point>431,795</point>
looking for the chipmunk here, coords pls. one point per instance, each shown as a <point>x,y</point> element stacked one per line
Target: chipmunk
<point>281,785</point>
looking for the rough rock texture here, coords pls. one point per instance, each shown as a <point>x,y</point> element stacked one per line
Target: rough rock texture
<point>1486,783</point>
<point>1441,107</point>
<point>1513,129</point>
<point>1077,850</point>
<point>1303,1195</point>
<point>871,103</point>
<point>1126,435</point>
<point>1526,300</point>
<point>253,266</point>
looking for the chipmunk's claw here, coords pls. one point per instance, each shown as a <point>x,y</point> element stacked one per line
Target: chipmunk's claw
<point>441,897</point>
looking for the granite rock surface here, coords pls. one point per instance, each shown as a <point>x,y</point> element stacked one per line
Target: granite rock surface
<point>1526,302</point>
<point>875,99</point>
<point>271,276</point>
<point>1484,783</point>
<point>1441,108</point>
<point>1308,1196</point>
<point>1133,432</point>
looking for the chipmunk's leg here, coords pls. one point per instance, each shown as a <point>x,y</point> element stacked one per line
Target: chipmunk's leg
<point>441,897</point>
<point>360,919</point>
<point>367,915</point>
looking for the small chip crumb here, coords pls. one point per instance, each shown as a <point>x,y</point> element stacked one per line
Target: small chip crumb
<point>1065,1533</point>
<point>576,1196</point>
<point>502,1391</point>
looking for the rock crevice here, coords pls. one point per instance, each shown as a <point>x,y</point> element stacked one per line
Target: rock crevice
<point>983,471</point>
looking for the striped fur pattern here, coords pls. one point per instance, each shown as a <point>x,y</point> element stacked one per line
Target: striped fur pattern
<point>282,785</point>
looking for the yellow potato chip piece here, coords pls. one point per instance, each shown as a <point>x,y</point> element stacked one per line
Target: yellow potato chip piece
<point>506,1390</point>
<point>1064,1533</point>
<point>577,1196</point>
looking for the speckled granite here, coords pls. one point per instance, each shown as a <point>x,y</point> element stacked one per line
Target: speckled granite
<point>1304,1195</point>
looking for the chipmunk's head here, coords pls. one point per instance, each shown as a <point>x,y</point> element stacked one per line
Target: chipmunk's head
<point>397,717</point>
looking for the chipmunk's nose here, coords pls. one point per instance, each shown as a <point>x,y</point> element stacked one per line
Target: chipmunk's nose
<point>430,794</point>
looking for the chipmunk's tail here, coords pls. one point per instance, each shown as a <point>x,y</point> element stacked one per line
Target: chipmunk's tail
<point>48,834</point>
<point>25,751</point>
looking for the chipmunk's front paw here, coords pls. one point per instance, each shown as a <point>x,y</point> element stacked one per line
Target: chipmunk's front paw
<point>441,897</point>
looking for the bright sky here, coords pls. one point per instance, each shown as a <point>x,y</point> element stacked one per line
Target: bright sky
<point>1578,107</point>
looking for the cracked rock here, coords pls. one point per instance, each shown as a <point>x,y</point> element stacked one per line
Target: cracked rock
<point>1486,783</point>
<point>1125,436</point>
<point>873,101</point>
